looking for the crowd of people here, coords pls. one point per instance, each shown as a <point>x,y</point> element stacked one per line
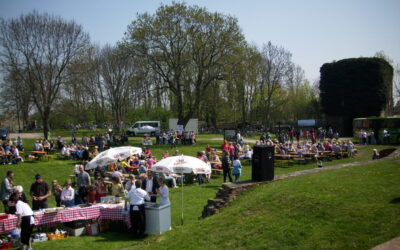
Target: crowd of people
<point>174,138</point>
<point>10,151</point>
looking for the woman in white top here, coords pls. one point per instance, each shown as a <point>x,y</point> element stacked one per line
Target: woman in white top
<point>68,195</point>
<point>25,219</point>
<point>163,192</point>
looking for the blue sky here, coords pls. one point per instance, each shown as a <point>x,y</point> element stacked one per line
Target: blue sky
<point>314,31</point>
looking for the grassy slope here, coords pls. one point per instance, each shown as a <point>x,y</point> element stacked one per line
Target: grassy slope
<point>194,200</point>
<point>346,208</point>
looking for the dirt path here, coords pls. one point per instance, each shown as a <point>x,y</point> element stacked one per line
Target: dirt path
<point>26,135</point>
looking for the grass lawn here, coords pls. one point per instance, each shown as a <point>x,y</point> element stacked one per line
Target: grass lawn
<point>294,194</point>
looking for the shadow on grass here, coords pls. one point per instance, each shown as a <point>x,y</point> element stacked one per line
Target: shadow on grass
<point>211,186</point>
<point>395,200</point>
<point>118,236</point>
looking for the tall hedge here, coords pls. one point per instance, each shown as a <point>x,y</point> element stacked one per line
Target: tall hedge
<point>356,87</point>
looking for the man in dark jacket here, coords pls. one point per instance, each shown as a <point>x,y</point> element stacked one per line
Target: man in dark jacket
<point>150,185</point>
<point>226,165</point>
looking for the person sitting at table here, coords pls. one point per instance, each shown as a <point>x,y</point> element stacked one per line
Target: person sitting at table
<point>67,196</point>
<point>15,155</point>
<point>19,144</point>
<point>95,152</point>
<point>25,219</point>
<point>314,149</point>
<point>39,191</point>
<point>163,192</point>
<point>136,198</point>
<point>46,146</point>
<point>118,173</point>
<point>165,155</point>
<point>320,147</point>
<point>150,162</point>
<point>214,160</point>
<point>142,169</point>
<point>146,153</point>
<point>117,188</point>
<point>65,151</point>
<point>56,190</point>
<point>248,154</point>
<point>299,151</point>
<point>38,146</point>
<point>130,183</point>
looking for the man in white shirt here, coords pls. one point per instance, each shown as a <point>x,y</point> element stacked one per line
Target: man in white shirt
<point>137,197</point>
<point>68,195</point>
<point>25,219</point>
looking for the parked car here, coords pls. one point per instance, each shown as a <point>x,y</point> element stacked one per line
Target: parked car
<point>144,128</point>
<point>3,133</point>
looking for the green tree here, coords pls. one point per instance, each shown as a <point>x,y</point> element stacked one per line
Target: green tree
<point>188,47</point>
<point>355,87</point>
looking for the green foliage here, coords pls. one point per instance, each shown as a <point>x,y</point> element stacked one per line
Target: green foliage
<point>356,87</point>
<point>188,48</point>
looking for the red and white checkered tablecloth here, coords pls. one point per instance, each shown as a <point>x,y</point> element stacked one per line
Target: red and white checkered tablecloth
<point>7,225</point>
<point>70,214</point>
<point>114,213</point>
<point>67,215</point>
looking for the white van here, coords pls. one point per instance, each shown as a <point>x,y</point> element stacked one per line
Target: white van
<point>144,128</point>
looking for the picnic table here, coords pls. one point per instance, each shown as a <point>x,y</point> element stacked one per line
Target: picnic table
<point>39,154</point>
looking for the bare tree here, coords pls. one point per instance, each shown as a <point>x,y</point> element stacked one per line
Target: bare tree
<point>16,98</point>
<point>42,46</point>
<point>276,67</point>
<point>117,70</point>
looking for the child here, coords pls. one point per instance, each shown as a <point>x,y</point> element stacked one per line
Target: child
<point>56,190</point>
<point>237,169</point>
<point>91,196</point>
<point>375,155</point>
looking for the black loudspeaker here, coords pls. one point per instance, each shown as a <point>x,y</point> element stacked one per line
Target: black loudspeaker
<point>263,163</point>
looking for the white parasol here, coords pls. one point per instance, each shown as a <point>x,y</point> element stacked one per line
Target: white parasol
<point>182,165</point>
<point>112,155</point>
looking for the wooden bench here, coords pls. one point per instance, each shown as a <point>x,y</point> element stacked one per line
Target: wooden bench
<point>216,171</point>
<point>302,160</point>
<point>282,162</point>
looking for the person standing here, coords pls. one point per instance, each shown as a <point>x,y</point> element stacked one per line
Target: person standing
<point>150,185</point>
<point>83,180</point>
<point>163,192</point>
<point>226,165</point>
<point>136,198</point>
<point>237,169</point>
<point>7,188</point>
<point>25,219</point>
<point>68,195</point>
<point>56,190</point>
<point>39,191</point>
